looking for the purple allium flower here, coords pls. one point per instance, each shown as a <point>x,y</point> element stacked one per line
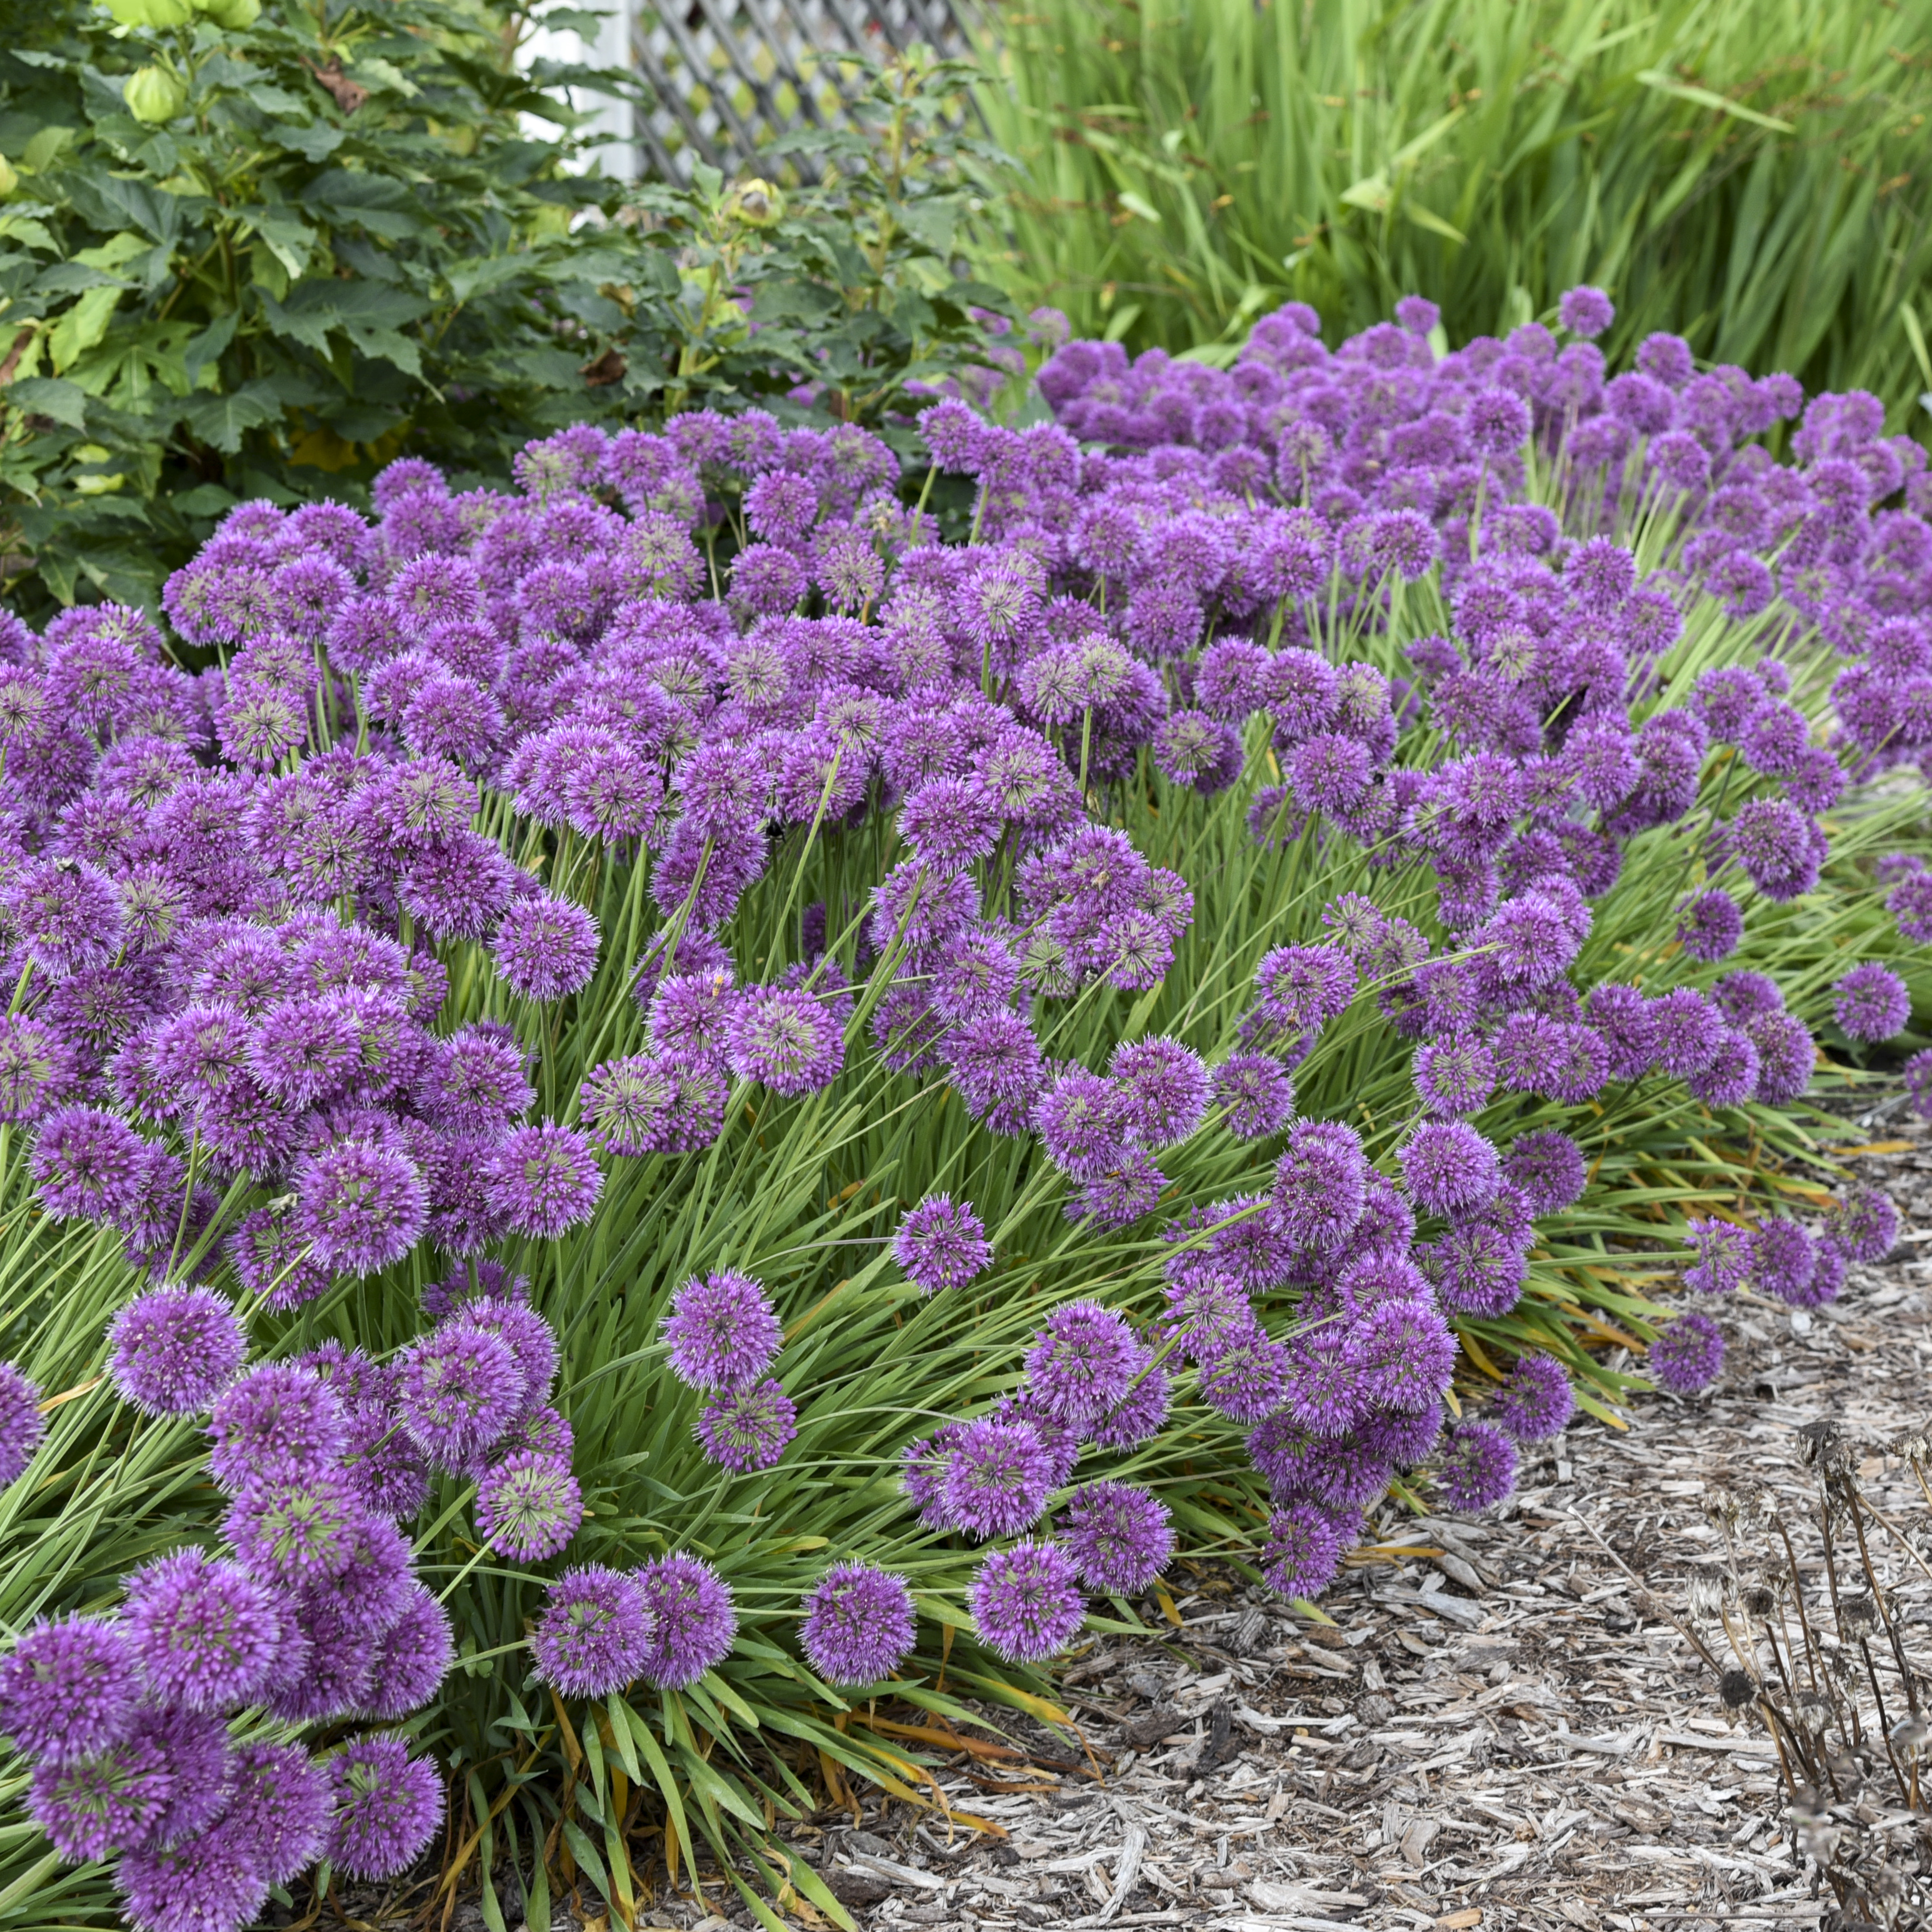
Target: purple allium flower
<point>206,1881</point>
<point>858,1624</point>
<point>1478,1467</point>
<point>69,1688</point>
<point>748,1427</point>
<point>476,1083</point>
<point>542,1180</point>
<point>412,1659</point>
<point>387,1806</point>
<point>174,1349</point>
<point>1082,1121</point>
<point>1323,1389</point>
<point>1625,1023</point>
<point>786,1039</point>
<point>997,1478</point>
<point>68,916</point>
<point>545,947</point>
<point>722,1332</point>
<point>1207,1309</point>
<point>37,1066</point>
<point>461,1389</point>
<point>297,1528</point>
<point>1026,1602</point>
<point>1242,1377</point>
<point>1320,1184</point>
<point>693,1622</point>
<point>1164,1088</point>
<point>1871,1003</point>
<point>942,1243</point>
<point>1255,1092</point>
<point>1547,1168</point>
<point>1451,1167</point>
<point>595,1633</point>
<point>1688,1355</point>
<point>279,1809</point>
<point>1080,1364</point>
<point>91,1807</point>
<point>1689,1030</point>
<point>1585,311</point>
<point>530,1339</point>
<point>87,1164</point>
<point>1496,421</point>
<point>529,1506</point>
<point>949,822</point>
<point>21,1424</point>
<point>1536,1402</point>
<point>1724,1257</point>
<point>1406,1352</point>
<point>1417,314</point>
<point>208,1634</point>
<point>1119,1536</point>
<point>1455,1074</point>
<point>1709,926</point>
<point>1783,1258</point>
<point>277,1420</point>
<point>626,1103</point>
<point>1303,1553</point>
<point>360,1206</point>
<point>1771,839</point>
<point>1863,1223</point>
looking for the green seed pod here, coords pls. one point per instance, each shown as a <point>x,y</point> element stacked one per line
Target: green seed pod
<point>154,95</point>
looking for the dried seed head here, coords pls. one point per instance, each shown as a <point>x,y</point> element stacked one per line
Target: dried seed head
<point>1723,1507</point>
<point>1760,1600</point>
<point>1857,1614</point>
<point>1704,1585</point>
<point>1914,1445</point>
<point>1813,1713</point>
<point>1911,1739</point>
<point>1736,1689</point>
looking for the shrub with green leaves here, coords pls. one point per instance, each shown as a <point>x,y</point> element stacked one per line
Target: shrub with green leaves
<point>248,252</point>
<point>1748,175</point>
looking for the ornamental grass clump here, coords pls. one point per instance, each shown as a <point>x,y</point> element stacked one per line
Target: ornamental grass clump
<point>644,1113</point>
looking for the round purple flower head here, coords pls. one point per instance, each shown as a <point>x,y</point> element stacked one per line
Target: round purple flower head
<point>87,1165</point>
<point>94,1806</point>
<point>542,1180</point>
<point>693,1621</point>
<point>388,1805</point>
<point>21,1424</point>
<point>360,1206</point>
<point>69,1689</point>
<point>1547,1168</point>
<point>208,1633</point>
<point>1451,1167</point>
<point>722,1332</point>
<point>1585,311</point>
<point>748,1427</point>
<point>1688,1355</point>
<point>1242,1376</point>
<point>1026,1602</point>
<point>1320,1184</point>
<point>997,1478</point>
<point>858,1624</point>
<point>1863,1223</point>
<point>1783,1258</point>
<point>1536,1402</point>
<point>942,1243</point>
<point>174,1349</point>
<point>1455,1074</point>
<point>279,1809</point>
<point>1119,1536</point>
<point>1709,926</point>
<point>1724,1257</point>
<point>277,1419</point>
<point>545,947</point>
<point>210,1880</point>
<point>1081,1363</point>
<point>1303,1553</point>
<point>1255,1094</point>
<point>461,1389</point>
<point>790,1042</point>
<point>1478,1466</point>
<point>1871,1003</point>
<point>1406,1354</point>
<point>594,1634</point>
<point>296,1529</point>
<point>529,1506</point>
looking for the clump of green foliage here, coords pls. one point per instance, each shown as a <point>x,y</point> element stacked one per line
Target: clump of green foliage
<point>1749,175</point>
